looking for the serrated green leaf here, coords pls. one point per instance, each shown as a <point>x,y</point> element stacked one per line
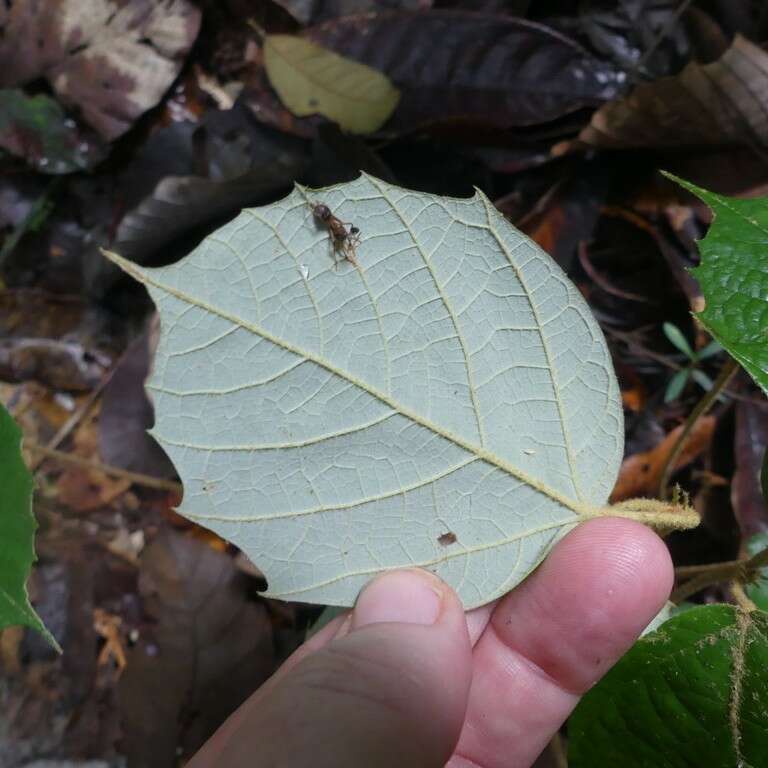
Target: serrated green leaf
<point>675,336</point>
<point>312,80</point>
<point>692,693</point>
<point>447,403</point>
<point>17,531</point>
<point>733,276</point>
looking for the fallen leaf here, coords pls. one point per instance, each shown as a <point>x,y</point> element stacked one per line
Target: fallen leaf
<point>640,473</point>
<point>482,68</point>
<point>312,80</point>
<point>113,60</point>
<point>126,414</point>
<point>209,648</point>
<point>724,102</point>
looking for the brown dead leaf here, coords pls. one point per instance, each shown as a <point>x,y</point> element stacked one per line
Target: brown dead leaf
<point>641,472</point>
<point>114,60</point>
<point>724,102</point>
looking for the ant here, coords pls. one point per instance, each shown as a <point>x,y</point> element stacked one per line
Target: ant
<point>343,240</point>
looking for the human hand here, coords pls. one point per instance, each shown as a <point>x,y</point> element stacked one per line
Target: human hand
<point>407,679</point>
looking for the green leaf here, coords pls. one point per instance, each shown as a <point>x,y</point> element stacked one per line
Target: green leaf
<point>17,530</point>
<point>733,276</point>
<point>757,591</point>
<point>447,403</point>
<point>312,80</point>
<point>675,336</point>
<point>676,385</point>
<point>692,693</point>
<point>702,379</point>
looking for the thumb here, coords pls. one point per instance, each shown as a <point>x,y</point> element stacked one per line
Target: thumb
<point>390,688</point>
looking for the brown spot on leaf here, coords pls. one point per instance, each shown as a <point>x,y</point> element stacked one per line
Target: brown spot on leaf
<point>444,539</point>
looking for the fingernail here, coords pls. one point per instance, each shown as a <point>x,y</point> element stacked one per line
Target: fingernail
<point>410,596</point>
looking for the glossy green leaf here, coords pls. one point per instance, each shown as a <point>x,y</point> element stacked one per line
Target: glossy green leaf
<point>312,80</point>
<point>733,276</point>
<point>692,693</point>
<point>447,403</point>
<point>17,531</point>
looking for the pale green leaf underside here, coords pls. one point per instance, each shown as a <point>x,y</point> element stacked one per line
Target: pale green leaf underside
<point>336,422</point>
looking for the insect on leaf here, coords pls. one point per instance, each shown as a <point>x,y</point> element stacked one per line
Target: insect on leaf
<point>337,421</point>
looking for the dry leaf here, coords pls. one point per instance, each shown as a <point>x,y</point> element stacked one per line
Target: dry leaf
<point>725,102</point>
<point>640,473</point>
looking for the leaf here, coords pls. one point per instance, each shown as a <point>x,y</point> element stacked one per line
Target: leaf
<point>209,648</point>
<point>702,379</point>
<point>733,276</point>
<point>338,422</point>
<point>691,693</point>
<point>36,128</point>
<point>17,531</point>
<point>676,385</point>
<point>757,591</point>
<point>724,102</point>
<point>676,338</point>
<point>114,59</point>
<point>480,68</point>
<point>311,80</point>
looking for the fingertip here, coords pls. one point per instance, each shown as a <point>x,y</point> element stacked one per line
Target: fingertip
<point>589,601</point>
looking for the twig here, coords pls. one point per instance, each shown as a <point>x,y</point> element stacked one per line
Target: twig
<point>136,478</point>
<point>558,752</point>
<point>665,30</point>
<point>706,402</point>
<point>76,417</point>
<point>741,571</point>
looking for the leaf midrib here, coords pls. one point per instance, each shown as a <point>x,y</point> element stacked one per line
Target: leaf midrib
<point>489,457</point>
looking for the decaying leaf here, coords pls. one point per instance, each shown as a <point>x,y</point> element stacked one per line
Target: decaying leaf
<point>335,422</point>
<point>209,647</point>
<point>312,80</point>
<point>725,102</point>
<point>112,59</point>
<point>640,473</point>
<point>691,693</point>
<point>473,67</point>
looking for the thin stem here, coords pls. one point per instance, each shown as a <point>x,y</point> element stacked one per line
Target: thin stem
<point>738,571</point>
<point>659,39</point>
<point>136,478</point>
<point>740,596</point>
<point>726,374</point>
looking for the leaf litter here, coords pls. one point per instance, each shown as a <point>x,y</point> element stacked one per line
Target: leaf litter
<point>205,135</point>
